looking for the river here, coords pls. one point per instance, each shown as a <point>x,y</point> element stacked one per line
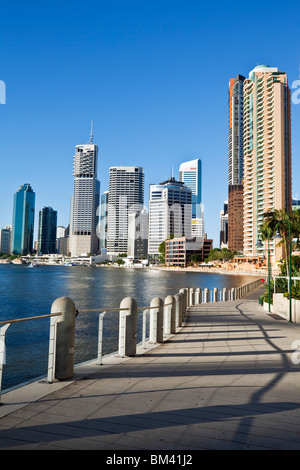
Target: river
<point>28,292</point>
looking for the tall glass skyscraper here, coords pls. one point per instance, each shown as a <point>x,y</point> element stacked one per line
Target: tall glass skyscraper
<point>47,231</point>
<point>23,220</point>
<point>85,201</point>
<point>190,173</point>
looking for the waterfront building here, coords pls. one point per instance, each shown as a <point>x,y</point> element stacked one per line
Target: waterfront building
<point>103,222</point>
<point>179,251</point>
<point>295,204</point>
<point>47,231</point>
<point>224,226</point>
<point>267,152</point>
<point>23,220</point>
<point>170,213</point>
<point>235,163</point>
<point>5,239</point>
<point>125,196</point>
<point>138,223</point>
<point>190,173</point>
<point>85,201</point>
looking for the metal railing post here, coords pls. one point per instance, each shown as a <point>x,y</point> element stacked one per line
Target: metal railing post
<point>2,353</point>
<point>100,338</point>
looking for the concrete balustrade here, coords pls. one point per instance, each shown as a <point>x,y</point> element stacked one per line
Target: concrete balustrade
<point>165,317</point>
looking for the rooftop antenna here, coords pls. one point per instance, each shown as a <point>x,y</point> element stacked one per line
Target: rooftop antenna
<point>91,138</point>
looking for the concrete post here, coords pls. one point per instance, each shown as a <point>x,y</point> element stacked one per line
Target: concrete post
<point>156,333</point>
<point>233,293</point>
<point>128,327</point>
<point>178,309</point>
<point>192,296</point>
<point>64,338</point>
<point>215,295</point>
<point>206,295</point>
<point>169,315</point>
<point>225,294</point>
<point>198,296</point>
<point>184,301</point>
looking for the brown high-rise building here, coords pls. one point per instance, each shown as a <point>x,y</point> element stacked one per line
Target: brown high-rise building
<point>235,164</point>
<point>235,217</point>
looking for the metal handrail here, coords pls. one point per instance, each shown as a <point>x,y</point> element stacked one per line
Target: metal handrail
<point>16,320</point>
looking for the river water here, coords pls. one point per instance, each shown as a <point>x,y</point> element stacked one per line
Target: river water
<point>29,292</point>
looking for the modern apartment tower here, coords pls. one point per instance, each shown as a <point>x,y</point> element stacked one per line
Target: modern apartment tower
<point>235,163</point>
<point>85,201</point>
<point>267,151</point>
<point>23,220</point>
<point>47,231</point>
<point>190,173</point>
<point>125,196</point>
<point>170,213</point>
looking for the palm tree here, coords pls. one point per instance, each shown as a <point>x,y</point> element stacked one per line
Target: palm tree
<point>287,225</point>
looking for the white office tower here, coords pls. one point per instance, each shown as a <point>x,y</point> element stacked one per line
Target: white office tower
<point>190,173</point>
<point>138,223</point>
<point>170,213</point>
<point>125,196</point>
<point>85,201</point>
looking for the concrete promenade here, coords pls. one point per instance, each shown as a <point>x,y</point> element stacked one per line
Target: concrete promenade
<point>226,380</point>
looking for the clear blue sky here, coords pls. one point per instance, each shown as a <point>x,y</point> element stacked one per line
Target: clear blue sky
<point>152,75</point>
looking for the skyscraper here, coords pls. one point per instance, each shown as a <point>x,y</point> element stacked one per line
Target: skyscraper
<point>267,151</point>
<point>47,231</point>
<point>235,163</point>
<point>103,222</point>
<point>23,220</point>
<point>125,196</point>
<point>170,213</point>
<point>190,173</point>
<point>5,239</point>
<point>85,201</point>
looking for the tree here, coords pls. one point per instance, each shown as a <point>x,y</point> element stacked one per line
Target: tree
<point>287,225</point>
<point>162,250</point>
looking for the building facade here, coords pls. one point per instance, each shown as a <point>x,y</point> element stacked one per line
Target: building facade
<point>47,231</point>
<point>224,226</point>
<point>125,196</point>
<point>85,201</point>
<point>138,223</point>
<point>5,239</point>
<point>170,213</point>
<point>103,222</point>
<point>23,220</point>
<point>235,163</point>
<point>182,251</point>
<point>267,152</point>
<point>190,173</point>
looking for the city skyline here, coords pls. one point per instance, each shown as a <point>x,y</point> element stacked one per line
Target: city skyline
<point>148,93</point>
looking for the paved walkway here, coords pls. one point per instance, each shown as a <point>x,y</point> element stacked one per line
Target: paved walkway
<point>225,381</point>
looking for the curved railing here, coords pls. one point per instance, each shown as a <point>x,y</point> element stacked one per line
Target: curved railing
<point>162,318</point>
